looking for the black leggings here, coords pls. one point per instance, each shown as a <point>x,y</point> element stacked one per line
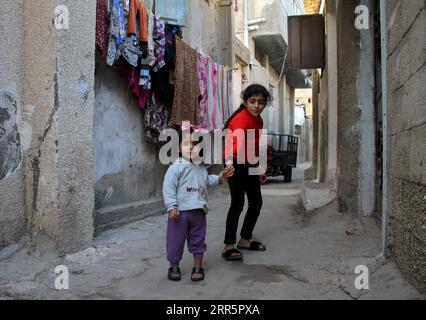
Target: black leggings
<point>240,184</point>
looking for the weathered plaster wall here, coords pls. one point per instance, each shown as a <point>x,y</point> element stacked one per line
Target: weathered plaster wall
<point>49,80</point>
<point>127,171</point>
<point>356,149</point>
<point>12,204</point>
<point>210,27</point>
<point>407,136</point>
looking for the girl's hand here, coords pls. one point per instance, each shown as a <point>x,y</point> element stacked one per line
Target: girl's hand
<point>229,171</point>
<point>174,214</point>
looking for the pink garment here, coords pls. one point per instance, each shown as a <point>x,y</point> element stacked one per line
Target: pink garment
<point>214,80</point>
<point>203,78</point>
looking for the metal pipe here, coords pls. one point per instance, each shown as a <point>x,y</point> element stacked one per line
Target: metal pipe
<point>384,49</point>
<point>246,26</point>
<point>256,21</point>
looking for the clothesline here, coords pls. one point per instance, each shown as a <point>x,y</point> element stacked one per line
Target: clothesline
<point>173,82</point>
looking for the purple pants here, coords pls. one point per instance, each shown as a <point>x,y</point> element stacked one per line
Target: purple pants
<point>191,226</point>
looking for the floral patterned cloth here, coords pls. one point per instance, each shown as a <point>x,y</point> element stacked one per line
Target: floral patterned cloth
<point>102,21</point>
<point>159,37</point>
<point>156,119</point>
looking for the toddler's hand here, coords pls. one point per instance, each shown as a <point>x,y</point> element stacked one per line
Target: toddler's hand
<point>222,177</point>
<point>174,214</point>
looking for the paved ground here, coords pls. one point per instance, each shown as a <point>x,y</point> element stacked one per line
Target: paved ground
<point>308,257</point>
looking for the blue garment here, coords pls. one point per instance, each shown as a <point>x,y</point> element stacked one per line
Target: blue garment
<point>118,29</point>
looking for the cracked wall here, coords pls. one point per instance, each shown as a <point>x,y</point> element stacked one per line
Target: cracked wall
<point>49,79</point>
<point>12,208</point>
<point>407,136</point>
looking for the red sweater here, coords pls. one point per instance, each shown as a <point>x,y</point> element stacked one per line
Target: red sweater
<point>244,121</point>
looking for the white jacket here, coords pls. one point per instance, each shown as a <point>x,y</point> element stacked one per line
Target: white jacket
<point>185,186</point>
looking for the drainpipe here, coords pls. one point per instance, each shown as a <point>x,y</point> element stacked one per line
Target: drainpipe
<point>384,49</point>
<point>247,39</point>
<point>246,24</point>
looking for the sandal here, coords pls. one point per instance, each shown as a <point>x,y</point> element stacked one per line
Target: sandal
<point>229,255</point>
<point>254,246</point>
<point>197,271</point>
<point>174,273</point>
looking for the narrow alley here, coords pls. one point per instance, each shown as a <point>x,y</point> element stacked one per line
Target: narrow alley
<point>92,194</point>
<point>308,257</point>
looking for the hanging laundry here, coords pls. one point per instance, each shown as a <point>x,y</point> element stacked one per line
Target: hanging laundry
<point>203,78</point>
<point>117,22</point>
<point>187,90</point>
<point>170,51</point>
<point>215,105</point>
<point>102,23</point>
<point>136,7</point>
<point>156,118</point>
<point>159,36</point>
<point>145,77</point>
<point>117,32</point>
<point>151,44</point>
<point>126,6</point>
<point>131,75</point>
<point>162,86</point>
<point>222,92</point>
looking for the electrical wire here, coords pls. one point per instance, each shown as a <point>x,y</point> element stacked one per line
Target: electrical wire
<point>282,69</point>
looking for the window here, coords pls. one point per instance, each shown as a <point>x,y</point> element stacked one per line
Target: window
<point>173,12</point>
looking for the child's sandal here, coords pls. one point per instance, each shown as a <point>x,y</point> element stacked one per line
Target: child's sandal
<point>199,271</point>
<point>174,274</point>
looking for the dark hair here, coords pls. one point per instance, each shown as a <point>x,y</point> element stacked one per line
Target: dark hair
<point>252,90</point>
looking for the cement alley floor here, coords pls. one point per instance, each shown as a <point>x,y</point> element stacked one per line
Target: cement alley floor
<point>308,257</point>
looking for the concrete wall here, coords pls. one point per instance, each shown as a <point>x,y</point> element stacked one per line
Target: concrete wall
<point>304,102</point>
<point>12,204</point>
<point>128,175</point>
<point>211,27</point>
<point>328,103</point>
<point>47,106</point>
<point>312,172</point>
<point>356,124</point>
<point>406,136</point>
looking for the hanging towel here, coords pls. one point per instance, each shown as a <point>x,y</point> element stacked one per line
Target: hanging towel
<point>187,89</point>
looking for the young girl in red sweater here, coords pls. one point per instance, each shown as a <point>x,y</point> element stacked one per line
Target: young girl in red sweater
<point>248,116</point>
